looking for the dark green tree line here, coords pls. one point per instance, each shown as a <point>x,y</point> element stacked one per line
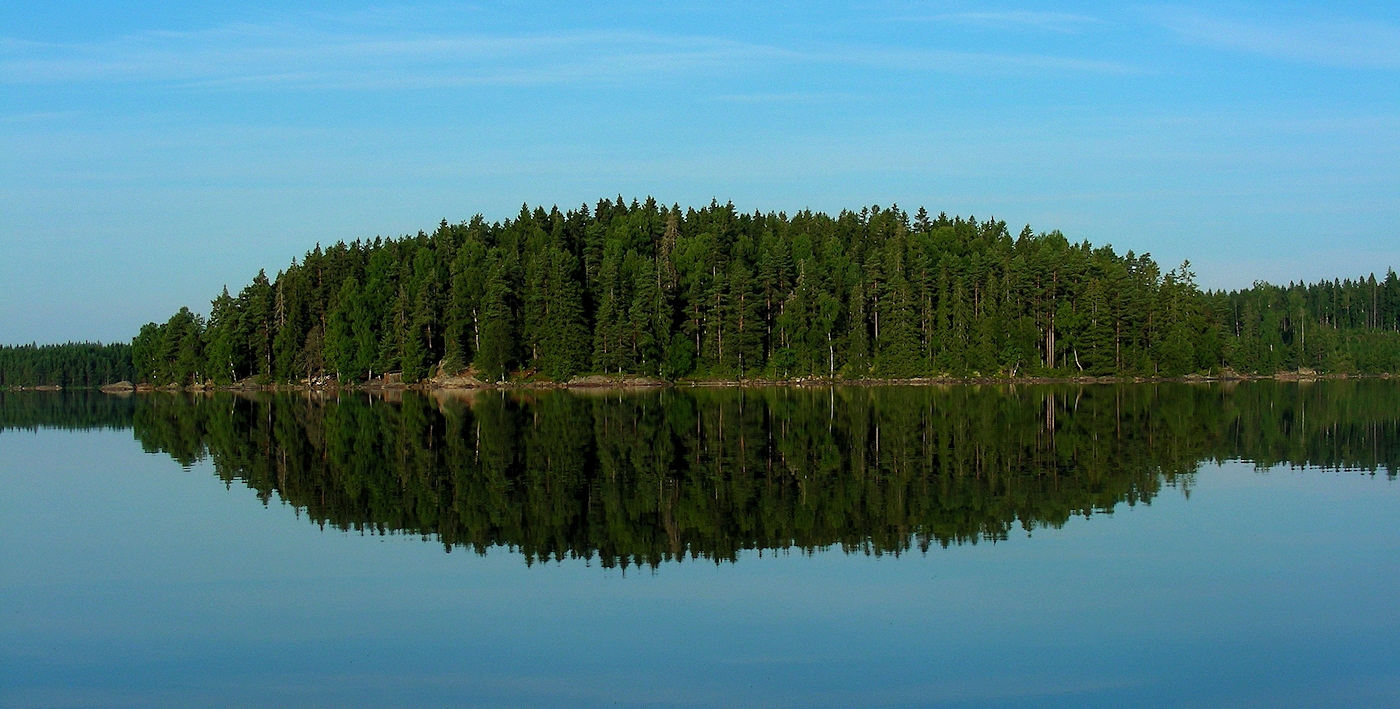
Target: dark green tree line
<point>75,364</point>
<point>1339,326</point>
<point>640,288</point>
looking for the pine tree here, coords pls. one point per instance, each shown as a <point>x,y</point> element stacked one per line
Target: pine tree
<point>221,340</point>
<point>463,331</point>
<point>745,354</point>
<point>898,345</point>
<point>496,353</point>
<point>340,343</point>
<point>642,315</point>
<point>609,330</point>
<point>257,322</point>
<point>420,343</point>
<point>564,337</point>
<point>858,337</point>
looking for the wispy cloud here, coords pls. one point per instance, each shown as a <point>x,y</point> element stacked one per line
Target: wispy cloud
<point>38,116</point>
<point>1325,41</point>
<point>970,62</point>
<point>791,97</point>
<point>298,56</point>
<point>252,54</point>
<point>1063,22</point>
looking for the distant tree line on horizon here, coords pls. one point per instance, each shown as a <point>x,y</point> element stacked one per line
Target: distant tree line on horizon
<point>641,288</point>
<point>75,364</point>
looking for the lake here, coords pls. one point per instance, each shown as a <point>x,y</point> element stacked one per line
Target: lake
<point>1055,545</point>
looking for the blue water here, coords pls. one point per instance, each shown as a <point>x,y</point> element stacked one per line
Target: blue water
<point>126,580</point>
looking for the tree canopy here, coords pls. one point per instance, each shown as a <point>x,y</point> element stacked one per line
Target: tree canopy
<point>75,364</point>
<point>710,292</point>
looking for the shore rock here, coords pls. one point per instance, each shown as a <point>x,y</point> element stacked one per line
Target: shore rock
<point>614,381</point>
<point>458,381</point>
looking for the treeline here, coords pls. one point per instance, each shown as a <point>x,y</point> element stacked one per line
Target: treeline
<point>641,288</point>
<point>1337,326</point>
<point>75,364</point>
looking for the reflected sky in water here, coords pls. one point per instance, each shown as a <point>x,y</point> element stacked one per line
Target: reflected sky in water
<point>127,580</point>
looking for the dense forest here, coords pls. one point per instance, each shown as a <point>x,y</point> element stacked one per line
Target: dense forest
<point>713,293</point>
<point>75,364</point>
<point>708,472</point>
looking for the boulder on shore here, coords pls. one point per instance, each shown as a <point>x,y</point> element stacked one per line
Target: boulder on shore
<point>464,380</point>
<point>615,381</point>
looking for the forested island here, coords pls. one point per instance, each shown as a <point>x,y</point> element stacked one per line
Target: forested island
<point>715,294</point>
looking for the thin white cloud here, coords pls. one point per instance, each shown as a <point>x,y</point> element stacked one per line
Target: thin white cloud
<point>791,97</point>
<point>272,55</point>
<point>1063,22</point>
<point>249,54</point>
<point>1325,41</point>
<point>971,62</point>
<point>38,116</point>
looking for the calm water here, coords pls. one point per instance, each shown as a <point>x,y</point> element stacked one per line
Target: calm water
<point>1147,545</point>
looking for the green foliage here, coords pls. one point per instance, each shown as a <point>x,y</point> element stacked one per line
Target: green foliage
<point>1341,326</point>
<point>647,289</point>
<point>497,343</point>
<point>172,353</point>
<point>75,364</point>
<point>555,316</point>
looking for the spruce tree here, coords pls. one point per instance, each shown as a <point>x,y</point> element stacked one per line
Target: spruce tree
<point>496,352</point>
<point>563,335</point>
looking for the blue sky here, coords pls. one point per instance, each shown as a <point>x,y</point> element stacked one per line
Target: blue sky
<point>151,153</point>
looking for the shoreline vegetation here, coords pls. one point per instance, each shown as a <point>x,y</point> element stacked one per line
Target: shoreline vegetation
<point>633,294</point>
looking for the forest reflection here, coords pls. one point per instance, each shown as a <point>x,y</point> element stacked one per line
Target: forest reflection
<point>641,478</point>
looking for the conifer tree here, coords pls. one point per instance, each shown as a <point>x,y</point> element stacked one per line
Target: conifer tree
<point>340,343</point>
<point>563,335</point>
<point>256,304</point>
<point>222,340</point>
<point>469,276</point>
<point>496,353</point>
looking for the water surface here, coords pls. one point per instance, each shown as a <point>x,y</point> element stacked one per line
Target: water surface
<point>1147,545</point>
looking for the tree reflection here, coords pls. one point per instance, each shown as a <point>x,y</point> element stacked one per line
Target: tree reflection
<point>647,477</point>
